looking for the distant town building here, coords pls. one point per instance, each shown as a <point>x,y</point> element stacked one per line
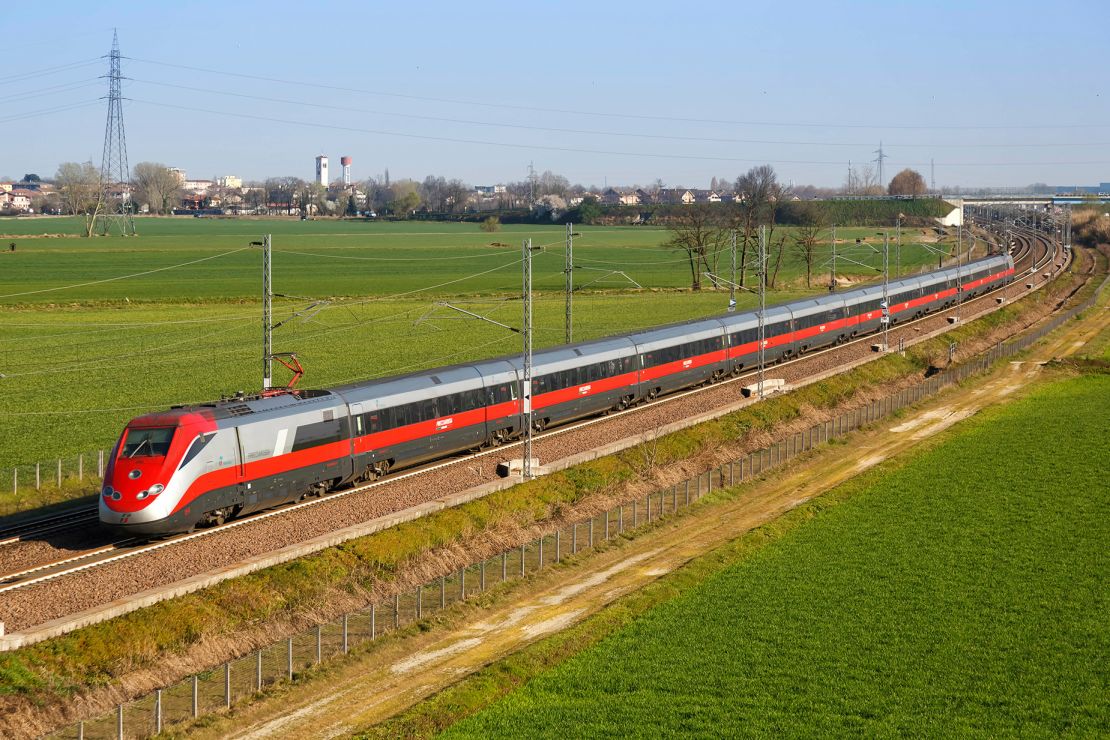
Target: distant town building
<point>322,170</point>
<point>230,181</point>
<point>16,199</point>
<point>196,186</point>
<point>489,189</point>
<point>179,172</point>
<point>1102,188</point>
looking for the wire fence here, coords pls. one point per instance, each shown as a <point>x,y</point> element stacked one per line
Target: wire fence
<point>223,686</point>
<point>83,471</point>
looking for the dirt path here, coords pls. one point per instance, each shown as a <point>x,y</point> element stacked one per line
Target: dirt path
<point>390,680</point>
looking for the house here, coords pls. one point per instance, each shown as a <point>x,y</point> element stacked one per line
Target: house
<point>707,196</point>
<point>676,196</point>
<point>17,200</point>
<point>645,197</point>
<point>196,186</point>
<point>229,181</point>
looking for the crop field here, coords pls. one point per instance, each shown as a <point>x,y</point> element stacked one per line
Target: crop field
<point>963,593</point>
<point>82,352</point>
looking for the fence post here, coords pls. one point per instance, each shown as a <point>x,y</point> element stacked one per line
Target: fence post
<point>649,508</point>
<point>540,566</point>
<point>482,576</point>
<point>620,519</point>
<point>81,466</point>
<point>635,515</point>
<point>462,583</point>
<point>59,472</point>
<point>558,545</point>
<point>227,685</point>
<point>674,498</point>
<point>119,721</point>
<point>591,533</point>
<point>396,611</point>
<point>442,591</point>
<point>687,486</point>
<point>289,657</point>
<point>373,621</point>
<point>38,478</point>
<point>606,524</point>
<point>345,645</point>
<point>196,696</point>
<point>523,550</point>
<point>258,669</point>
<point>505,565</point>
<point>419,601</point>
<point>158,711</point>
<point>100,464</point>
<point>574,539</point>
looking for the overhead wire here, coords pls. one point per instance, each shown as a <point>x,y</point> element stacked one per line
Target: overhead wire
<point>620,134</point>
<point>122,277</point>
<point>616,114</point>
<point>579,150</point>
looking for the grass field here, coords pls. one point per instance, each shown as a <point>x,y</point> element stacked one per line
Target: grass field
<point>963,593</point>
<point>79,361</point>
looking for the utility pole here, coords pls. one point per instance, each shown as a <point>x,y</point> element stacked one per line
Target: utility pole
<point>568,272</point>
<point>762,304</point>
<point>932,176</point>
<point>526,333</point>
<point>531,185</point>
<point>267,315</point>
<point>832,274</point>
<point>898,250</point>
<point>732,285</point>
<point>959,269</point>
<point>886,291</point>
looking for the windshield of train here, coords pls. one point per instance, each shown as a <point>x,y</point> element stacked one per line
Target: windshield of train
<point>150,442</point>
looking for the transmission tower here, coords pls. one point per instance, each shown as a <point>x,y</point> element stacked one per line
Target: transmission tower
<point>114,172</point>
<point>880,158</point>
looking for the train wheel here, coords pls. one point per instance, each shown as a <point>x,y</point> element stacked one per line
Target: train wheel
<point>539,425</point>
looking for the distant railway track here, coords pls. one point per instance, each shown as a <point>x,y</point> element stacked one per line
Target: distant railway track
<point>1026,251</point>
<point>50,523</point>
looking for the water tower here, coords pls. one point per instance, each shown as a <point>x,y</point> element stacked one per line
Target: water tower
<point>346,162</point>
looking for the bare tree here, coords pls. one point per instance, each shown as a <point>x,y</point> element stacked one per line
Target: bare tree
<point>78,185</point>
<point>156,185</point>
<point>806,238</point>
<point>80,191</point>
<point>697,231</point>
<point>907,182</point>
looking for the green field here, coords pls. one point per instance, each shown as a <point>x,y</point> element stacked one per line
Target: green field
<point>79,361</point>
<point>964,593</point>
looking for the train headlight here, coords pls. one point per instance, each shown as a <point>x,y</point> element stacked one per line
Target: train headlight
<point>107,492</point>
<point>156,489</point>
<point>141,495</point>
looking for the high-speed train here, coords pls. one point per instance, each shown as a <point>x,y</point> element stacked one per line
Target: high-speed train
<point>200,465</point>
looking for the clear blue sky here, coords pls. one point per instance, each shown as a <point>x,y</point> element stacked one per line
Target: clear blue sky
<point>627,92</point>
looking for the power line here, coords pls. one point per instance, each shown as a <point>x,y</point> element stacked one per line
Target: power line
<point>123,277</point>
<point>595,132</point>
<point>609,114</point>
<point>548,147</point>
<point>46,71</point>
<point>48,111</point>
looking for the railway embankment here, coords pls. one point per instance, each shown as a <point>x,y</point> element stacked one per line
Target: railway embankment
<point>96,667</point>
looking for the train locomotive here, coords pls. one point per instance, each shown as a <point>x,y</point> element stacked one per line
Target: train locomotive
<point>200,465</point>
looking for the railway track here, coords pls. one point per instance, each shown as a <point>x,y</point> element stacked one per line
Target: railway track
<point>1025,251</point>
<point>59,521</point>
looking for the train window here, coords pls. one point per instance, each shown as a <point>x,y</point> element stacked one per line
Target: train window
<point>152,442</point>
<point>320,433</point>
<point>194,449</point>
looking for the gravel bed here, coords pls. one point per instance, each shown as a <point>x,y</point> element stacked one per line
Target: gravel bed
<point>36,604</point>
